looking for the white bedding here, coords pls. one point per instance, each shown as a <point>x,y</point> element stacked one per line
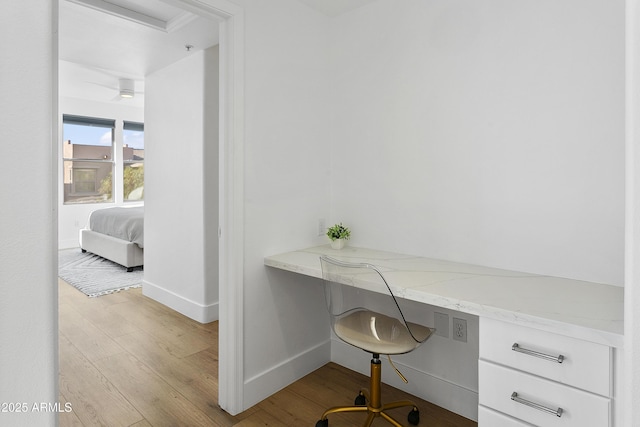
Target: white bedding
<point>126,223</point>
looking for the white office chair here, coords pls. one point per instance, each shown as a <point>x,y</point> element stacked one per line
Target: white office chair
<point>380,331</point>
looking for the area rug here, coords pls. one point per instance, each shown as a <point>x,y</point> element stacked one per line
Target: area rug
<point>95,276</point>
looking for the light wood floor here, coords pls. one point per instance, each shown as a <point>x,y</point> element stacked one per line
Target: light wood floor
<point>126,360</point>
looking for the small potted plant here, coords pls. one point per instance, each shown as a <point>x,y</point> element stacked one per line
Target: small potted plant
<point>338,234</point>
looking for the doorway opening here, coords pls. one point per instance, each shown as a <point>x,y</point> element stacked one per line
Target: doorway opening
<point>230,239</point>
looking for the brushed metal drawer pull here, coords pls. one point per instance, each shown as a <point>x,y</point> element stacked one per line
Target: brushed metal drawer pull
<point>557,412</point>
<point>516,347</point>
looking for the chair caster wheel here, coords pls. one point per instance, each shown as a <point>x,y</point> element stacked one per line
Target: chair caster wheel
<point>323,423</point>
<point>360,400</point>
<point>414,417</point>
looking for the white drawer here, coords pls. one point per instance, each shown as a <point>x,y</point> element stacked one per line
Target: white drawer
<point>490,418</point>
<point>586,365</point>
<point>579,408</point>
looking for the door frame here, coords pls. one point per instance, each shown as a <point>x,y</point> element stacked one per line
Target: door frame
<point>231,199</point>
<point>231,196</point>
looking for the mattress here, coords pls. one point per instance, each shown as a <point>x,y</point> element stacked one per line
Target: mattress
<point>125,223</point>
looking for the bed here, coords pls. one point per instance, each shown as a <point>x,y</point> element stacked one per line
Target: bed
<point>117,234</point>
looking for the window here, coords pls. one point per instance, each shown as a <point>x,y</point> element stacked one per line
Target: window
<point>133,161</point>
<point>84,181</point>
<point>87,154</point>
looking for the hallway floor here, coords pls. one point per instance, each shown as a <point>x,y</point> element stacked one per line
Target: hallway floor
<point>126,360</point>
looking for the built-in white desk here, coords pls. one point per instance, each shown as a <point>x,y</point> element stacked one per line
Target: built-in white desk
<point>578,316</point>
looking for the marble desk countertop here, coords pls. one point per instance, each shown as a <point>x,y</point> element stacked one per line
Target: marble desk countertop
<point>580,309</point>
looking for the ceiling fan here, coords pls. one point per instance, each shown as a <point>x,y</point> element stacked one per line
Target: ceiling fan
<point>126,89</point>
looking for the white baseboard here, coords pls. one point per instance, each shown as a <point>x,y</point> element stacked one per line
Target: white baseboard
<point>288,371</point>
<point>424,385</point>
<point>198,312</point>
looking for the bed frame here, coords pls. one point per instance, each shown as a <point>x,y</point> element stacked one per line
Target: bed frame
<point>125,253</point>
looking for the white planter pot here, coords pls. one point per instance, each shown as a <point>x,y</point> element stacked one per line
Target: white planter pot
<point>338,243</point>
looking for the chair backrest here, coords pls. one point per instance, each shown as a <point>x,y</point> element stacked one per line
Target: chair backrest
<point>347,308</point>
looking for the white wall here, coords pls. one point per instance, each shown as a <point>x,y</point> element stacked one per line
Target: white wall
<point>28,288</point>
<point>181,143</point>
<point>286,189</point>
<point>486,132</point>
<point>492,132</point>
<point>631,386</point>
<point>210,164</point>
<point>71,218</point>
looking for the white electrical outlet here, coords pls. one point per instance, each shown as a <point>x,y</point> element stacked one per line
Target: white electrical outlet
<point>459,329</point>
<point>322,227</point>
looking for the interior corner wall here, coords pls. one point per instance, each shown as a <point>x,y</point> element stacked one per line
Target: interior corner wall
<point>177,150</point>
<point>28,266</point>
<point>484,132</point>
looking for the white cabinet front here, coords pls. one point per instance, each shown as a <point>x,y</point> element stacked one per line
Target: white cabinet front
<point>539,401</point>
<point>559,358</point>
<point>488,417</point>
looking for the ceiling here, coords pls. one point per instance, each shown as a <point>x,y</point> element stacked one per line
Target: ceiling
<point>102,41</point>
<point>335,7</point>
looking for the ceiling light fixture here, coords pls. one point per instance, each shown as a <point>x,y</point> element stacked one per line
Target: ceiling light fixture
<point>127,88</point>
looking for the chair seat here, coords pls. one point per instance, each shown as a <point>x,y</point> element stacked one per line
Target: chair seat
<point>378,333</point>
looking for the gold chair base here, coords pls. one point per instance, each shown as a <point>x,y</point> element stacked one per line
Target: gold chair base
<point>374,408</point>
<point>373,412</point>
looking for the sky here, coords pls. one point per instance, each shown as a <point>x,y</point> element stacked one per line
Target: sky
<point>94,135</point>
